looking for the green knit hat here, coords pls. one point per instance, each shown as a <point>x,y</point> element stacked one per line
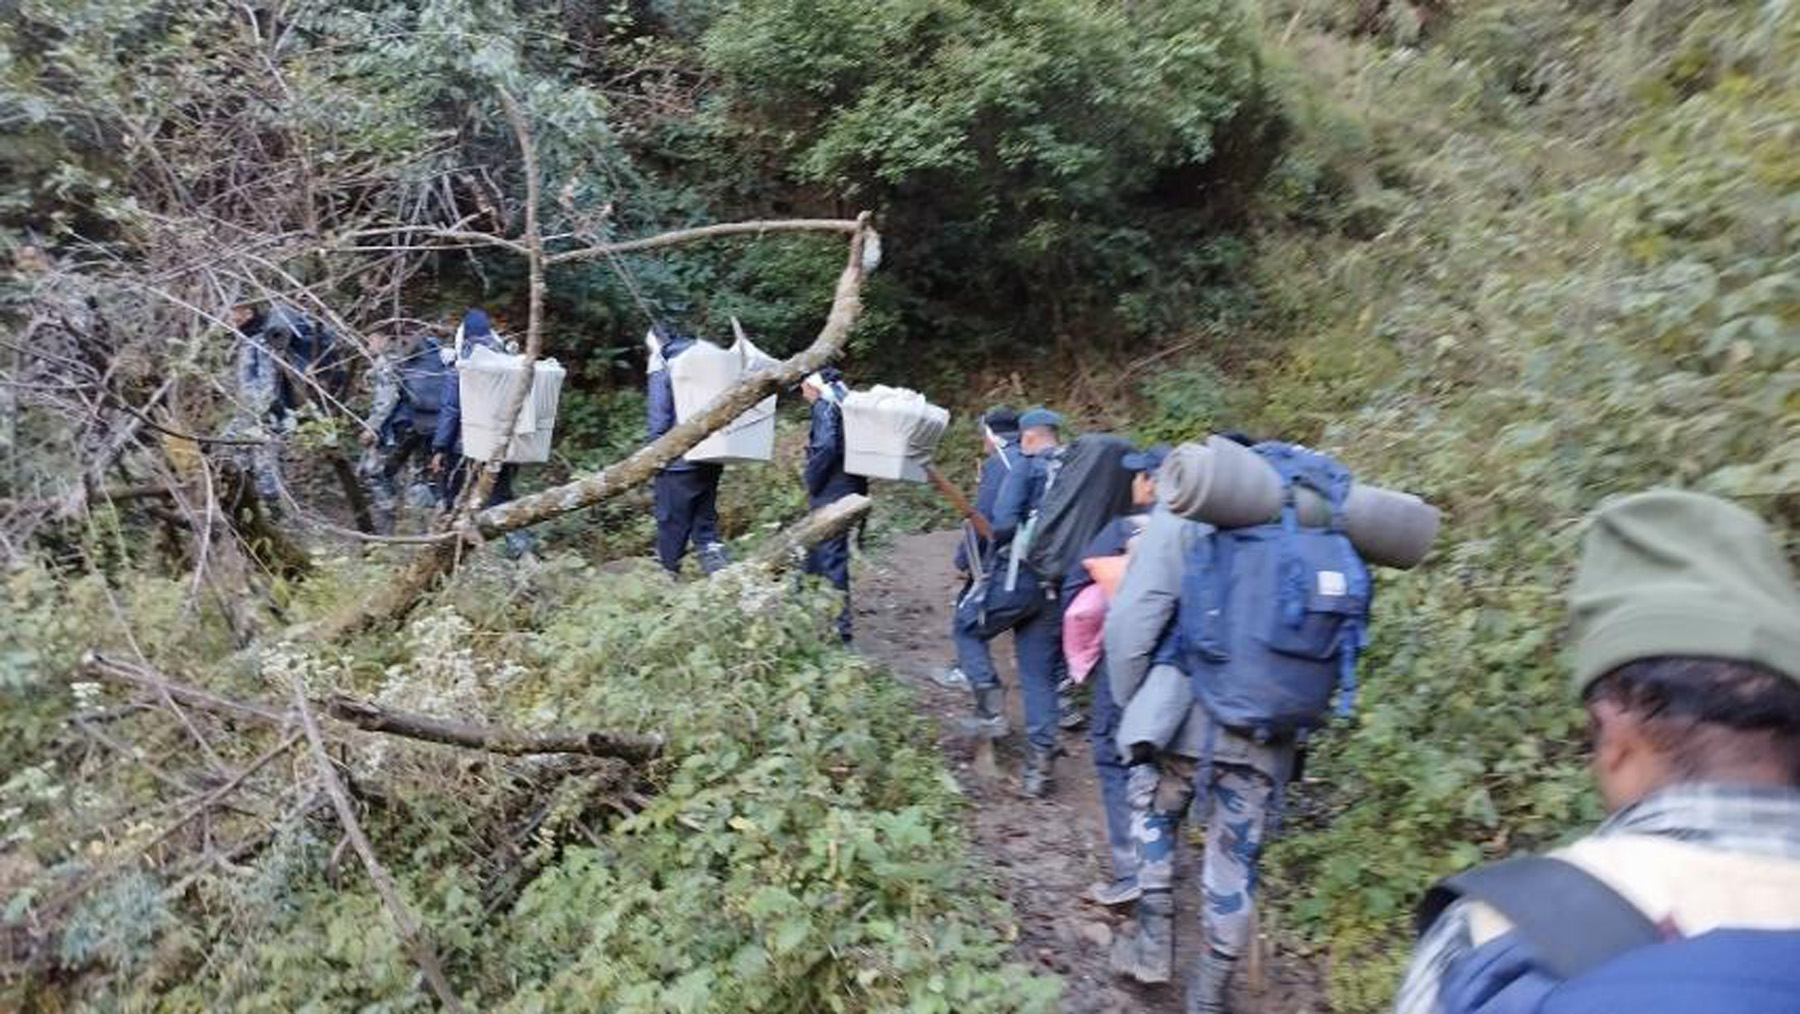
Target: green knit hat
<point>1673,573</point>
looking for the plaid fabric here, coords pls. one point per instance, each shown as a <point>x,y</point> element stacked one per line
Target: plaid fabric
<point>1730,818</point>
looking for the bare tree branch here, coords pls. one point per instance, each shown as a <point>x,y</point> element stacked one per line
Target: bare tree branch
<point>781,551</point>
<point>372,717</point>
<point>757,228</point>
<point>411,931</point>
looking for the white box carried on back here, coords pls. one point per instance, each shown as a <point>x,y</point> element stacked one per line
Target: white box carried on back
<point>891,433</point>
<point>486,381</point>
<point>704,372</point>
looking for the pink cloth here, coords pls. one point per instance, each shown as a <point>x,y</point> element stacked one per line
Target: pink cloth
<point>1083,622</point>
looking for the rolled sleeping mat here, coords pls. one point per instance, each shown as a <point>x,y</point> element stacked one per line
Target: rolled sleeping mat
<point>1390,528</point>
<point>1222,483</point>
<point>1227,485</point>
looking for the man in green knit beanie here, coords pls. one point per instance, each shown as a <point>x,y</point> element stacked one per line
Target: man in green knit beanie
<point>1686,628</point>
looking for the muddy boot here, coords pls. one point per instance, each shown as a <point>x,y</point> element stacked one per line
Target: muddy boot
<point>1035,780</point>
<point>951,678</point>
<point>989,719</point>
<point>1206,993</point>
<point>1148,955</point>
<point>714,558</point>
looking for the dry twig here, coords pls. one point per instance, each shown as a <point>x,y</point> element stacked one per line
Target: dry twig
<point>411,931</point>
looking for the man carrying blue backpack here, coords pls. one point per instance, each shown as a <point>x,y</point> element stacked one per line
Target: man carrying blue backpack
<point>403,416</point>
<point>1686,623</point>
<point>1235,628</point>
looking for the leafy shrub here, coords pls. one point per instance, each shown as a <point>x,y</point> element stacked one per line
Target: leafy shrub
<point>1004,143</point>
<point>798,848</point>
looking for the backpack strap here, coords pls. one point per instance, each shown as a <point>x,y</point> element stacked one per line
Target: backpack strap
<point>1321,473</point>
<point>1573,921</point>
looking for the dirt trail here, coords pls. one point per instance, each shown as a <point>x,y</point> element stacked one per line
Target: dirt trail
<point>1042,853</point>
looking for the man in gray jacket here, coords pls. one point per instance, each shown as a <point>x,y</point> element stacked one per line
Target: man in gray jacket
<point>1169,738</point>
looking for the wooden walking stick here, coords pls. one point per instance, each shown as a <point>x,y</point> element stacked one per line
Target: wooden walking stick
<point>961,503</point>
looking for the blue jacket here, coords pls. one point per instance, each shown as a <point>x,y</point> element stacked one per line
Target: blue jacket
<point>1001,462</point>
<point>826,480</point>
<point>660,392</point>
<point>1019,495</point>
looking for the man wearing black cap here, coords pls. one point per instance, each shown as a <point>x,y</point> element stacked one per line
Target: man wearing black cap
<point>1013,598</point>
<point>1686,623</point>
<point>827,482</point>
<point>1000,442</point>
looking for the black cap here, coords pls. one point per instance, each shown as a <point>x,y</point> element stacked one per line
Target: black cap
<point>1001,419</point>
<point>1147,460</point>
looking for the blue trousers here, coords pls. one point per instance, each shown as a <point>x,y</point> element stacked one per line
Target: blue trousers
<point>830,560</point>
<point>1115,798</point>
<point>1037,641</point>
<point>687,509</point>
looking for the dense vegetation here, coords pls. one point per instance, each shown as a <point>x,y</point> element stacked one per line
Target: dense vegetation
<point>1517,256</point>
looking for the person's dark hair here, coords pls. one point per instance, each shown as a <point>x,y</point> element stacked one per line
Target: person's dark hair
<point>1240,437</point>
<point>1002,419</point>
<point>1709,713</point>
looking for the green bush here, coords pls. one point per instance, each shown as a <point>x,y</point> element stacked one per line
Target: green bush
<point>1008,146</point>
<point>798,849</point>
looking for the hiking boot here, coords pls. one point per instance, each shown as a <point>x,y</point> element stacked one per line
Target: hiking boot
<point>950,678</point>
<point>989,719</point>
<point>1035,780</point>
<point>1113,893</point>
<point>1069,714</point>
<point>520,544</point>
<point>1206,992</point>
<point>1148,956</point>
<point>421,494</point>
<point>713,558</point>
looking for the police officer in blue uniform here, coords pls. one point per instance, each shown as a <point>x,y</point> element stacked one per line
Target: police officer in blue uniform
<point>827,482</point>
<point>686,492</point>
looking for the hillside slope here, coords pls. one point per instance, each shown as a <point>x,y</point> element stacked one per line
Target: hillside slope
<point>1548,253</point>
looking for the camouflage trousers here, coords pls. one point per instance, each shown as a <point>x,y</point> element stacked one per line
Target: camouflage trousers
<point>1161,795</point>
<point>382,468</point>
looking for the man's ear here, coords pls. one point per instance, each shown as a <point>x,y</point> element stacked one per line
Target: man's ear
<point>1626,763</point>
<point>1611,747</point>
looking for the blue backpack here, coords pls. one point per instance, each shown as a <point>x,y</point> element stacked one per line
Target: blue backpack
<point>422,386</point>
<point>1272,616</point>
<point>1578,947</point>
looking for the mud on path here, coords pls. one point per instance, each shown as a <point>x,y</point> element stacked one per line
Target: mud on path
<point>1041,853</point>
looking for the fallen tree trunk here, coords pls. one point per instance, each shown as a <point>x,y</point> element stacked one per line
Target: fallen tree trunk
<point>393,602</point>
<point>71,504</point>
<point>783,550</point>
<point>372,717</point>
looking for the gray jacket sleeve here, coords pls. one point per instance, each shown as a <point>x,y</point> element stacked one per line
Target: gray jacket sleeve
<point>1146,600</point>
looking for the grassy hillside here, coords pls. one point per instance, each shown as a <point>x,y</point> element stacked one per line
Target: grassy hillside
<point>1547,253</point>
